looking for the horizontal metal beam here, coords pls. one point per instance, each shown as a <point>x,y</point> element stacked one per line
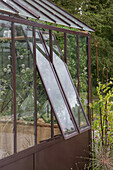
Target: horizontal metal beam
<point>35,24</point>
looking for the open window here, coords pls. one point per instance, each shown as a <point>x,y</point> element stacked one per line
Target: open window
<point>59,86</point>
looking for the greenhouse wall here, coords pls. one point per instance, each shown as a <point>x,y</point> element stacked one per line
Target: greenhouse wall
<point>40,127</point>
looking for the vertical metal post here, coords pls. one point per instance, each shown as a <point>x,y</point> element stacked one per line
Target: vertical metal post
<point>89,78</point>
<point>51,59</point>
<point>65,48</point>
<point>89,88</point>
<point>78,64</point>
<point>52,124</point>
<point>14,86</point>
<point>35,85</point>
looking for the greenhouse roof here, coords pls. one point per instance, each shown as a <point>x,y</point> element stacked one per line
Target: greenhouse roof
<point>42,10</point>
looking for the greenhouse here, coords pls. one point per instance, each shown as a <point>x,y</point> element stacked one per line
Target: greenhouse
<point>45,87</point>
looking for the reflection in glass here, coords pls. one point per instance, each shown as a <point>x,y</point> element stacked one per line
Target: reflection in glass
<point>54,93</point>
<point>6,91</point>
<point>24,87</point>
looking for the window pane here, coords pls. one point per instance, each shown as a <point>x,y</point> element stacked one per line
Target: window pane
<point>24,87</point>
<point>21,11</point>
<point>83,61</point>
<point>72,57</point>
<point>6,91</point>
<point>44,114</point>
<point>54,92</point>
<point>5,7</point>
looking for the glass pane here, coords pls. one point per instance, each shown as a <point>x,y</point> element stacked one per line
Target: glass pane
<point>5,7</point>
<point>24,87</point>
<point>21,11</point>
<point>44,114</point>
<point>54,92</point>
<point>69,90</point>
<point>6,91</point>
<point>83,60</point>
<point>42,17</point>
<point>72,57</point>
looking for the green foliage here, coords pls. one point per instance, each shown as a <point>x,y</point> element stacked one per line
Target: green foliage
<point>103,115</point>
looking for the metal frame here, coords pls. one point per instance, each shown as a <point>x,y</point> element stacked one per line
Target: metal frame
<point>34,24</point>
<point>35,85</point>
